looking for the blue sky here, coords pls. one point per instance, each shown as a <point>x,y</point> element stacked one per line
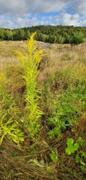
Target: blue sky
<point>20,13</point>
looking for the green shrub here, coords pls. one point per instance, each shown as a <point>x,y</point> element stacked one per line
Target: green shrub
<point>74,38</point>
<point>67,109</point>
<point>76,149</point>
<point>77,38</point>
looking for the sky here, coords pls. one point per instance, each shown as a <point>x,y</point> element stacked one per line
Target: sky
<point>24,13</point>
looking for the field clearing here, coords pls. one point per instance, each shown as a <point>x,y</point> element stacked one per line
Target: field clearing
<point>57,54</point>
<point>62,85</point>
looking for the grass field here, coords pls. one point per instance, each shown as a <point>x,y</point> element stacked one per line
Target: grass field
<point>59,153</point>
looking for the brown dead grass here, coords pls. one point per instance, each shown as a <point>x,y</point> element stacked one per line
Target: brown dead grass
<point>58,55</point>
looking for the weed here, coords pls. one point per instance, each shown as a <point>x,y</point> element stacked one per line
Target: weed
<point>54,155</point>
<point>9,114</point>
<point>81,159</point>
<point>30,65</point>
<point>71,146</point>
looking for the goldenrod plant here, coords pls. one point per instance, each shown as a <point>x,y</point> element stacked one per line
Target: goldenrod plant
<point>30,64</point>
<point>9,116</point>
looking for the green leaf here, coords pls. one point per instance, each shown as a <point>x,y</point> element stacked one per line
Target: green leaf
<point>53,156</point>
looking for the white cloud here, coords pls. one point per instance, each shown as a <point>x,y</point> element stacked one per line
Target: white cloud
<point>15,12</point>
<point>18,22</point>
<point>81,7</point>
<point>18,13</point>
<point>68,19</point>
<point>30,6</point>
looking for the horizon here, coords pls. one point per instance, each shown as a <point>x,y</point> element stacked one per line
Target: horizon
<point>25,13</point>
<point>23,27</point>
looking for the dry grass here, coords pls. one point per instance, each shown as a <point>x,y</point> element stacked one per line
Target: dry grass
<point>58,55</point>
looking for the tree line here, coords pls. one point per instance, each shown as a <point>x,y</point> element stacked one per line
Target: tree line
<point>50,34</point>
